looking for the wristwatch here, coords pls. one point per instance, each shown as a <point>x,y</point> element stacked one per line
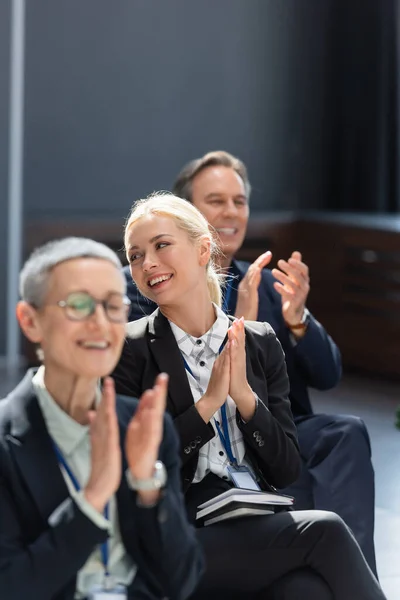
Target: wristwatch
<point>303,324</point>
<point>156,482</point>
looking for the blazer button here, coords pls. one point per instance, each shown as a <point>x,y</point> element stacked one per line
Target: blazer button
<point>193,445</point>
<point>256,434</point>
<point>198,440</point>
<point>261,443</point>
<point>187,450</point>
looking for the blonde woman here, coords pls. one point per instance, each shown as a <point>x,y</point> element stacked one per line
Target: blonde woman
<point>228,396</point>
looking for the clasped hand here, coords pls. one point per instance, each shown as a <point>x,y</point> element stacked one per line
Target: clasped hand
<point>228,377</point>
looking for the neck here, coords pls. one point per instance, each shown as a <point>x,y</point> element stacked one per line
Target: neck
<point>194,315</point>
<point>75,395</point>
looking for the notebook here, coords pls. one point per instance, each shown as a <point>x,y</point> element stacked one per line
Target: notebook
<point>238,502</point>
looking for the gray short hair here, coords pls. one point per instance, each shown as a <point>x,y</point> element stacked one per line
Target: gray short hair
<point>34,275</point>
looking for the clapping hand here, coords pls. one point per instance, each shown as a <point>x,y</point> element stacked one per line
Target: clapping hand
<point>239,388</point>
<point>105,475</point>
<point>247,301</point>
<point>218,386</point>
<point>293,285</point>
<point>144,434</point>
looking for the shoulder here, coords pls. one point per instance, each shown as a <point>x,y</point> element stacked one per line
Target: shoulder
<point>6,416</point>
<point>261,338</point>
<point>137,329</point>
<point>14,408</point>
<point>259,329</point>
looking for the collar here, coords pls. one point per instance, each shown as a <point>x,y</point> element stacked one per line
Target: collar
<point>67,433</point>
<point>213,338</point>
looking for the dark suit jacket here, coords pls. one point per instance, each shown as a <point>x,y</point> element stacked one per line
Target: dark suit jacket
<point>270,436</point>
<point>313,362</point>
<point>41,561</point>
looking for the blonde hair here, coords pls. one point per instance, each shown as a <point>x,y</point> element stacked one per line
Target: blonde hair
<point>188,219</point>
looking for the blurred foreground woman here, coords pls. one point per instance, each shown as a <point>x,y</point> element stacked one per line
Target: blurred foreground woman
<point>90,499</point>
<point>228,396</point>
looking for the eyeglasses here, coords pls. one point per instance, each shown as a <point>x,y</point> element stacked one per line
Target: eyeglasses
<point>79,306</point>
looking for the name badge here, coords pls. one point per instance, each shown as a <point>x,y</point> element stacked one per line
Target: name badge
<point>100,592</point>
<point>243,478</point>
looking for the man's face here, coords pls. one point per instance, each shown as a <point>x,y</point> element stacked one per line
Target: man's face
<point>219,193</point>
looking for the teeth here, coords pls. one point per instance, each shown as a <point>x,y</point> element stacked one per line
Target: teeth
<point>159,279</point>
<point>101,344</point>
<point>226,230</point>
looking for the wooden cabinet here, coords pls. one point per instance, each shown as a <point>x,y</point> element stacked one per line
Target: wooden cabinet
<point>354,266</point>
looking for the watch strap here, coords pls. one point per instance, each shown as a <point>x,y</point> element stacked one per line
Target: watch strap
<point>303,324</point>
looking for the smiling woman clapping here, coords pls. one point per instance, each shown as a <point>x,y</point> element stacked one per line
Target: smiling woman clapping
<point>228,396</point>
<point>90,498</point>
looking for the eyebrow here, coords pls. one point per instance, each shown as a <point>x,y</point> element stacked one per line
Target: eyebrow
<point>220,194</point>
<point>153,239</point>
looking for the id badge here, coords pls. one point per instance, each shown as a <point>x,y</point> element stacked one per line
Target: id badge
<point>102,592</point>
<point>243,478</point>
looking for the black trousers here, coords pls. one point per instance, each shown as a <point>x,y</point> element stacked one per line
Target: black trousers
<point>265,558</point>
<point>337,474</point>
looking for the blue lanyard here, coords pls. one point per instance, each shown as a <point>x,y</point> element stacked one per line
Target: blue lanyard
<point>227,296</point>
<point>75,482</point>
<point>224,432</point>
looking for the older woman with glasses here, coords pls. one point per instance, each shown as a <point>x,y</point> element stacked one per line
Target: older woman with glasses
<point>90,499</point>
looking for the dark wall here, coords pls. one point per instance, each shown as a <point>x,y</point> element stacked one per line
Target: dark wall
<point>4,117</point>
<point>121,94</point>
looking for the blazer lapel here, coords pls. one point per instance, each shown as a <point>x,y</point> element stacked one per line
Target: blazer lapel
<point>32,450</point>
<point>169,360</point>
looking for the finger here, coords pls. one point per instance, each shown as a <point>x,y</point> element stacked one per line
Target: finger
<point>234,330</point>
<point>151,428</point>
<point>161,384</point>
<point>300,266</point>
<point>286,281</point>
<point>145,400</point>
<point>110,405</point>
<point>283,290</point>
<point>222,362</point>
<point>254,280</point>
<point>160,393</point>
<point>263,260</point>
<point>109,391</point>
<point>292,269</point>
<point>107,399</point>
<point>222,358</point>
<point>107,402</point>
<point>242,331</point>
<point>297,255</point>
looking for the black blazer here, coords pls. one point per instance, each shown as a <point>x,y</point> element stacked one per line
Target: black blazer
<point>270,436</point>
<point>41,561</point>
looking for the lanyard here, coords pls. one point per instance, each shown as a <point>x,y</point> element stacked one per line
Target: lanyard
<point>227,296</point>
<point>224,432</point>
<point>75,482</point>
